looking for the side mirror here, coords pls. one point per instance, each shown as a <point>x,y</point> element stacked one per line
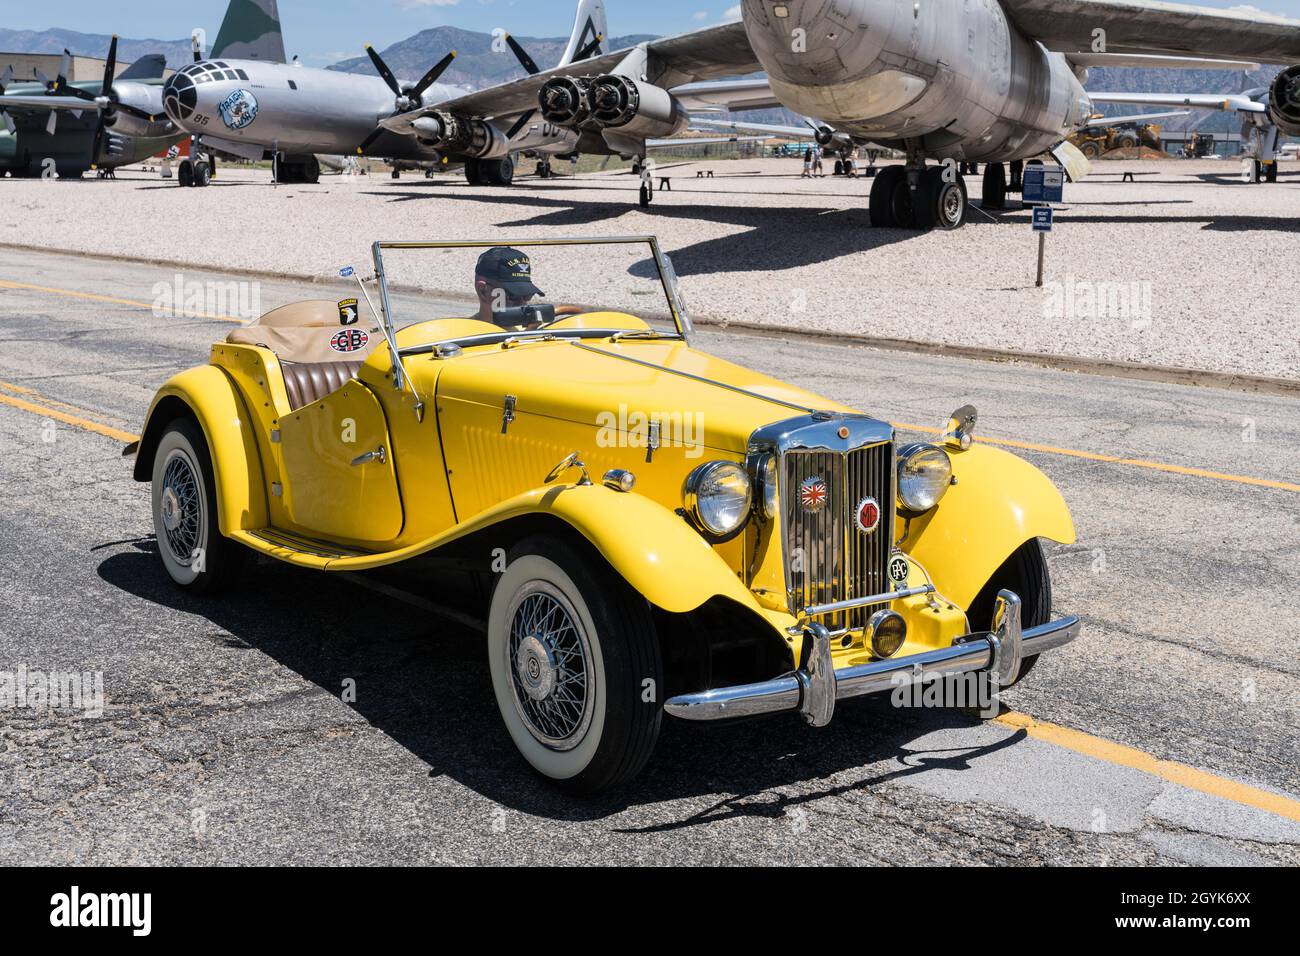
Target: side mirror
<point>960,430</point>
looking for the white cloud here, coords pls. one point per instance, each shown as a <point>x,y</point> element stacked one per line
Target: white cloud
<point>701,15</point>
<point>733,13</point>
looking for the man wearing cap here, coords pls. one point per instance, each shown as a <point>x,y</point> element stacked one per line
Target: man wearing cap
<point>503,280</point>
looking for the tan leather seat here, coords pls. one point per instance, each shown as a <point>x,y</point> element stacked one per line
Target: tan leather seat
<point>308,382</point>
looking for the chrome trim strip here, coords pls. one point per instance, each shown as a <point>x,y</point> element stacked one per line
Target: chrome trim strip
<point>817,610</point>
<point>805,691</point>
<point>695,378</point>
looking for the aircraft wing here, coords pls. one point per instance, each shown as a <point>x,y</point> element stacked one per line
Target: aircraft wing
<point>790,132</point>
<point>701,141</point>
<point>727,94</point>
<point>1141,26</point>
<point>705,54</point>
<point>1104,121</point>
<point>1205,101</point>
<point>43,102</point>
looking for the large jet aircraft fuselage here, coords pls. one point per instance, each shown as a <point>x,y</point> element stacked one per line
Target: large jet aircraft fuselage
<point>954,78</point>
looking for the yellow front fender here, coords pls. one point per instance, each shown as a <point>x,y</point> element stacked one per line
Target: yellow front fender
<point>652,547</point>
<point>208,394</point>
<point>999,502</point>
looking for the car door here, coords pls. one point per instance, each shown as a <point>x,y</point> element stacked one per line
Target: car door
<point>340,483</point>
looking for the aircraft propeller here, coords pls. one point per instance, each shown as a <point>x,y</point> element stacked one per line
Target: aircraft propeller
<point>407,98</point>
<point>531,68</point>
<point>5,77</point>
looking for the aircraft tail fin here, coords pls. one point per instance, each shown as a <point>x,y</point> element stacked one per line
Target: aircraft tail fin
<point>590,33</point>
<point>251,31</point>
<point>151,66</point>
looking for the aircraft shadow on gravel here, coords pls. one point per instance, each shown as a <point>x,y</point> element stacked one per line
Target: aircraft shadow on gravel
<point>424,683</point>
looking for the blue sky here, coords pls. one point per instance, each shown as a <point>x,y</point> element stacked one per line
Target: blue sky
<point>325,31</point>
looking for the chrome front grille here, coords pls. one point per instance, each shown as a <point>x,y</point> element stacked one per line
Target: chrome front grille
<point>827,557</point>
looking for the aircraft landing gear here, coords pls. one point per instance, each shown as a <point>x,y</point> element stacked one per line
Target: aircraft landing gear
<point>544,170</point>
<point>995,186</point>
<point>1251,170</point>
<point>890,205</point>
<point>919,197</point>
<point>194,173</point>
<point>940,199</point>
<point>1270,172</point>
<point>1017,171</point>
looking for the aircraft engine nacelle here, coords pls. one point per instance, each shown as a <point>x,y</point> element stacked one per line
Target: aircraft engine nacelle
<point>1284,101</point>
<point>461,135</point>
<point>147,100</point>
<point>635,108</point>
<point>828,138</point>
<point>566,101</point>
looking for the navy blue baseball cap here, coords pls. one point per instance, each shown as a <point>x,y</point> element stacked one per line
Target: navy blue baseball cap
<point>508,269</point>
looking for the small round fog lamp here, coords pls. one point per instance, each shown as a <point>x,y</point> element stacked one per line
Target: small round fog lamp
<point>887,631</point>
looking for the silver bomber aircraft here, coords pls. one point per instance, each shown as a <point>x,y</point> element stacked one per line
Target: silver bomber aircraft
<point>987,81</point>
<point>250,102</point>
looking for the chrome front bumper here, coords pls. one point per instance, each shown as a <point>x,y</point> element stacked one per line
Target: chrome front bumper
<point>814,688</point>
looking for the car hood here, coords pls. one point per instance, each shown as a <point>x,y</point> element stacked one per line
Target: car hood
<point>602,383</point>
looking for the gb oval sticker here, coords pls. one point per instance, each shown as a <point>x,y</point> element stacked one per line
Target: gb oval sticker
<point>350,340</point>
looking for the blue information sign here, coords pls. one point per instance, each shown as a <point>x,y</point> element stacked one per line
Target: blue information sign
<point>1042,184</point>
<point>1042,219</point>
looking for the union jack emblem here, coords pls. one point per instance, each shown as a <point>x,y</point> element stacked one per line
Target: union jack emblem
<point>812,493</point>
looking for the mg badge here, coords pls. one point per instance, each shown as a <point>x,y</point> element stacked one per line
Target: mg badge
<point>898,569</point>
<point>868,515</point>
<point>812,493</point>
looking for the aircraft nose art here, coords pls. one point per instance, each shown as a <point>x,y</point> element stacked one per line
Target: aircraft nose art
<point>212,88</point>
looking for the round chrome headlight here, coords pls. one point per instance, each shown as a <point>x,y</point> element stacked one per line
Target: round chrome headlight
<point>924,474</point>
<point>718,498</point>
<point>766,490</point>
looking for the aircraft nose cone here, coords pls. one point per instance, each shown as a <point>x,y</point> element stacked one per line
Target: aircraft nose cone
<point>179,97</point>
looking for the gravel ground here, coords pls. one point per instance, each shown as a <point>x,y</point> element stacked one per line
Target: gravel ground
<point>1173,269</point>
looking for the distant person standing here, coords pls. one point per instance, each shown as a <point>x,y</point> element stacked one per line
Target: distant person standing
<point>807,164</point>
<point>817,163</point>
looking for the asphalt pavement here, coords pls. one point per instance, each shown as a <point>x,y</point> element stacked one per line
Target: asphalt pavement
<point>1166,734</point>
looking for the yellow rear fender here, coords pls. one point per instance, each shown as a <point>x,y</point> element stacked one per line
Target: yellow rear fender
<point>650,546</point>
<point>208,395</point>
<point>999,502</point>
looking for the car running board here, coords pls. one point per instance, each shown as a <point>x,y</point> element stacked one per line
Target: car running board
<point>296,549</point>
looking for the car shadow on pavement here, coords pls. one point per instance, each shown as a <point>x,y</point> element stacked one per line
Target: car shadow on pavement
<point>424,684</point>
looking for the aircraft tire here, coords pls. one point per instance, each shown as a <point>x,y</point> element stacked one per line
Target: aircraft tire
<point>202,174</point>
<point>881,204</point>
<point>473,172</point>
<point>185,174</point>
<point>1270,172</point>
<point>940,204</point>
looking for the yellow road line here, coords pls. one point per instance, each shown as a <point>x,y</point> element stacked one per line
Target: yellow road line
<point>1178,773</point>
<point>1116,459</point>
<point>6,284</point>
<point>67,418</point>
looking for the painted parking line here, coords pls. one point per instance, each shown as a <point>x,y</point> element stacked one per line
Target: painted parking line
<point>112,300</point>
<point>1124,756</point>
<point>1115,459</point>
<point>29,401</point>
<point>1065,737</point>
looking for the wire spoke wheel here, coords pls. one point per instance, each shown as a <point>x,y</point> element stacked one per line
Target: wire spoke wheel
<point>549,660</point>
<point>182,508</point>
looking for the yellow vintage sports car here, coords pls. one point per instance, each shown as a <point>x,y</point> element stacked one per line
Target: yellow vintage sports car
<point>651,530</point>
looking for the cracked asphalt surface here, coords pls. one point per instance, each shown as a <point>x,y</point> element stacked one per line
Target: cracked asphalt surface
<point>225,738</point>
